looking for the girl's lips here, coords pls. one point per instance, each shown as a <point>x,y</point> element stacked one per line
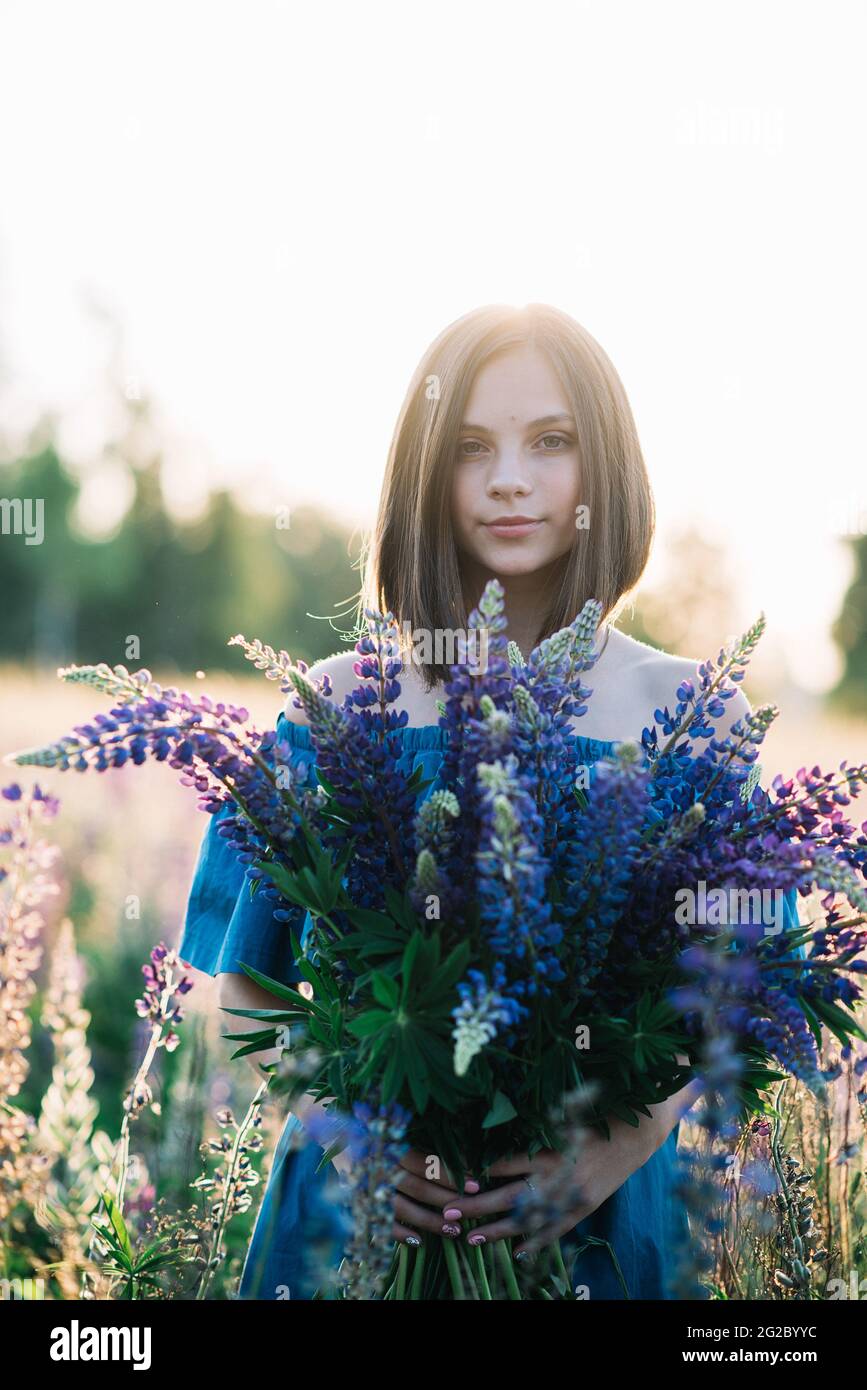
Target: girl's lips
<point>521,528</point>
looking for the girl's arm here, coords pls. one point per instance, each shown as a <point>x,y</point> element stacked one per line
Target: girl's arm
<point>236,991</point>
<point>240,992</point>
<point>425,1201</point>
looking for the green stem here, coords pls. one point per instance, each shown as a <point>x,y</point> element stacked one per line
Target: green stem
<point>454,1269</point>
<point>417,1271</point>
<point>464,1255</point>
<point>482,1273</point>
<point>597,1241</point>
<point>401,1272</point>
<point>491,1270</point>
<point>504,1255</point>
<point>230,1184</point>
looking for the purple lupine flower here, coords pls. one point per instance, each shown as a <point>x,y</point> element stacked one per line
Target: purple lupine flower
<point>157,1003</point>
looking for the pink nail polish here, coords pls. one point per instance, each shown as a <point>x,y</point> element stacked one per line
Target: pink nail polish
<point>451,1230</point>
<point>471,1186</point>
<point>476,1239</point>
<point>452,1214</point>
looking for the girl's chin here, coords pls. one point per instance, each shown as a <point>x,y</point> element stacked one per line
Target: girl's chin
<point>513,557</point>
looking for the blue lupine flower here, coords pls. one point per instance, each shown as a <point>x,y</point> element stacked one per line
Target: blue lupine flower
<point>482,1011</point>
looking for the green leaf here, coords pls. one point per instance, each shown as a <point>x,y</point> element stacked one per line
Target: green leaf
<point>843,1025</point>
<point>385,990</point>
<point>118,1225</point>
<point>500,1112</point>
<point>400,909</point>
<point>392,1078</point>
<point>373,1021</point>
<point>409,955</point>
<point>252,1047</point>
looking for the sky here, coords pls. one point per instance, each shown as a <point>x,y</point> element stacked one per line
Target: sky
<point>263,213</point>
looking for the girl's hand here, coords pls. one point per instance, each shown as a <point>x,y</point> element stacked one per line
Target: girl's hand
<point>420,1202</point>
<point>602,1167</point>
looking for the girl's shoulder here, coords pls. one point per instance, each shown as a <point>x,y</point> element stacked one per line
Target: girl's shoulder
<point>343,680</point>
<point>647,679</point>
<point>419,703</point>
<point>630,680</point>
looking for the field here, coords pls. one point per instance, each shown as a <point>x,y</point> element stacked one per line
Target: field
<point>128,842</point>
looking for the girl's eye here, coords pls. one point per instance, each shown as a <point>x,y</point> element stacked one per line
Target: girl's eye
<point>553,444</point>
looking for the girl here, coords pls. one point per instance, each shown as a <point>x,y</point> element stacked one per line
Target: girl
<point>515,455</point>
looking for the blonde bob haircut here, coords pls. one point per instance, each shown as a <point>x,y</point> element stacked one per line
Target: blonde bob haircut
<point>412,565</point>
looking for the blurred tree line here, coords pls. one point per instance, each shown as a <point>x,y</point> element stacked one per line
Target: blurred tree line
<point>693,608</point>
<point>182,589</point>
<point>850,634</point>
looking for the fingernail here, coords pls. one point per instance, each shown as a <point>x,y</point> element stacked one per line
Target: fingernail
<point>451,1230</point>
<point>471,1186</point>
<point>413,1240</point>
<point>523,1255</point>
<point>452,1214</point>
<point>476,1239</point>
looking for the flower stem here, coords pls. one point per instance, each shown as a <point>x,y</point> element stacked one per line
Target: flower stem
<point>485,1287</point>
<point>560,1264</point>
<point>417,1271</point>
<point>504,1255</point>
<point>401,1272</point>
<point>229,1186</point>
<point>454,1269</point>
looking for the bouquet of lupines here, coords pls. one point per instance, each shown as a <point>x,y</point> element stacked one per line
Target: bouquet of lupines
<point>456,945</point>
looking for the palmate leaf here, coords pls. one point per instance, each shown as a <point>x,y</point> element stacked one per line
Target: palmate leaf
<point>138,1271</point>
<point>310,1006</point>
<point>373,922</point>
<point>415,1070</point>
<point>406,1041</point>
<point>155,1257</point>
<point>812,1020</point>
<point>436,1054</point>
<point>378,935</point>
<point>116,1234</point>
<point>393,1076</point>
<point>370,1022</point>
<point>314,879</point>
<point>843,1025</point>
<point>411,951</point>
<point>400,908</point>
<point>303,887</point>
<point>439,989</point>
<point>385,990</point>
<point>269,1040</point>
<point>501,1111</point>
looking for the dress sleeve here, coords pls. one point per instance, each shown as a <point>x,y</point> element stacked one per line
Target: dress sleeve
<point>791,917</point>
<point>224,926</point>
<point>791,921</point>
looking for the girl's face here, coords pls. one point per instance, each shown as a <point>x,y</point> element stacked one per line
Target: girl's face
<point>516,457</point>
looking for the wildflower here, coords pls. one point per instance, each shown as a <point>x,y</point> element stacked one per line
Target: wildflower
<point>481,1011</point>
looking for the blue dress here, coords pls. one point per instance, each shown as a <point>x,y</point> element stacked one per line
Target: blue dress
<point>302,1223</point>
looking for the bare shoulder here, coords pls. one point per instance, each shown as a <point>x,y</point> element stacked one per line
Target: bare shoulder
<point>415,698</point>
<point>343,680</point>
<point>657,675</point>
